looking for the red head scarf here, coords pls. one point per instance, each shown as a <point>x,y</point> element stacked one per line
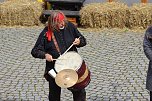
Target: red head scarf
<point>49,34</point>
<point>58,18</point>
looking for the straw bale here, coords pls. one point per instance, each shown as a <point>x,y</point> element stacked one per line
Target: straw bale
<point>20,12</point>
<point>86,14</point>
<point>116,15</point>
<point>140,15</point>
<point>103,15</point>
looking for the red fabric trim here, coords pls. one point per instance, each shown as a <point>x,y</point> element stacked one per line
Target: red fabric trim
<point>49,34</point>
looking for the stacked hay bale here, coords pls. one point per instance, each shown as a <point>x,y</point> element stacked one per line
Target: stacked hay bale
<point>140,15</point>
<point>101,15</point>
<point>86,14</point>
<point>116,15</point>
<point>20,12</point>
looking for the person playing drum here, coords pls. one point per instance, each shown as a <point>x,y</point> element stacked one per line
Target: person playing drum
<point>52,42</point>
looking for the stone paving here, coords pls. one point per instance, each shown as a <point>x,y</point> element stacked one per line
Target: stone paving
<point>116,60</point>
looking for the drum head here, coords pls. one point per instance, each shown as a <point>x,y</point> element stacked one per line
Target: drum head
<point>70,60</point>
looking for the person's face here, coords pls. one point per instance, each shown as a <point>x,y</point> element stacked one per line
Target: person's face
<point>61,24</point>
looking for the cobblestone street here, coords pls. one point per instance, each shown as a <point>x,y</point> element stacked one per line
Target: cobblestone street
<point>116,60</point>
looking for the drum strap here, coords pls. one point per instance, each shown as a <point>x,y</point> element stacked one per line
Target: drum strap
<point>55,43</point>
<point>49,35</point>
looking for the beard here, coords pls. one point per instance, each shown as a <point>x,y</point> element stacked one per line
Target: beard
<point>62,27</point>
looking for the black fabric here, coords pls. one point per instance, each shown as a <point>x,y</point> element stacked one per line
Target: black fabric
<point>79,95</point>
<point>150,96</point>
<point>54,90</point>
<point>149,32</point>
<point>38,50</point>
<point>147,46</point>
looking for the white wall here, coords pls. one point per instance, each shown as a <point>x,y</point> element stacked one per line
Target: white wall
<point>128,2</point>
<point>1,1</point>
<point>94,1</point>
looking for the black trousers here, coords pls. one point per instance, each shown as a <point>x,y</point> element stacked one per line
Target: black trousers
<point>55,92</point>
<point>150,95</point>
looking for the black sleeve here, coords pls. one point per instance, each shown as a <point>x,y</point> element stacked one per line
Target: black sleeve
<point>38,50</point>
<point>77,34</point>
<point>147,46</point>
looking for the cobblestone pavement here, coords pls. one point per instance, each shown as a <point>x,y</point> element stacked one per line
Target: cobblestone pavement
<point>116,60</point>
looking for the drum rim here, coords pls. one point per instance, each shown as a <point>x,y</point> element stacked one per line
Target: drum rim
<point>73,69</point>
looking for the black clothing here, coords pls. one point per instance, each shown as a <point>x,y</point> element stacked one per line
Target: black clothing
<point>64,38</point>
<point>149,32</point>
<point>79,95</point>
<point>150,96</point>
<point>54,90</point>
<point>147,45</point>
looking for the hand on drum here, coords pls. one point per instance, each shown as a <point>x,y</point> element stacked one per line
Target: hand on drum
<point>48,57</point>
<point>76,41</point>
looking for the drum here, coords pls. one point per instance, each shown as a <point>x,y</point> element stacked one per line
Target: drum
<point>72,60</point>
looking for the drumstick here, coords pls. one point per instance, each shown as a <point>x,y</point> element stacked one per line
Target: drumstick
<point>57,59</point>
<point>54,59</point>
<point>69,47</point>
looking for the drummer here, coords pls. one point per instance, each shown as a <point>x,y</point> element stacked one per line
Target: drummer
<point>52,42</point>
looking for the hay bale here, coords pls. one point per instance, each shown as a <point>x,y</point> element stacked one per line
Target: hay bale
<point>86,14</point>
<point>103,15</point>
<point>20,12</point>
<point>140,15</point>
